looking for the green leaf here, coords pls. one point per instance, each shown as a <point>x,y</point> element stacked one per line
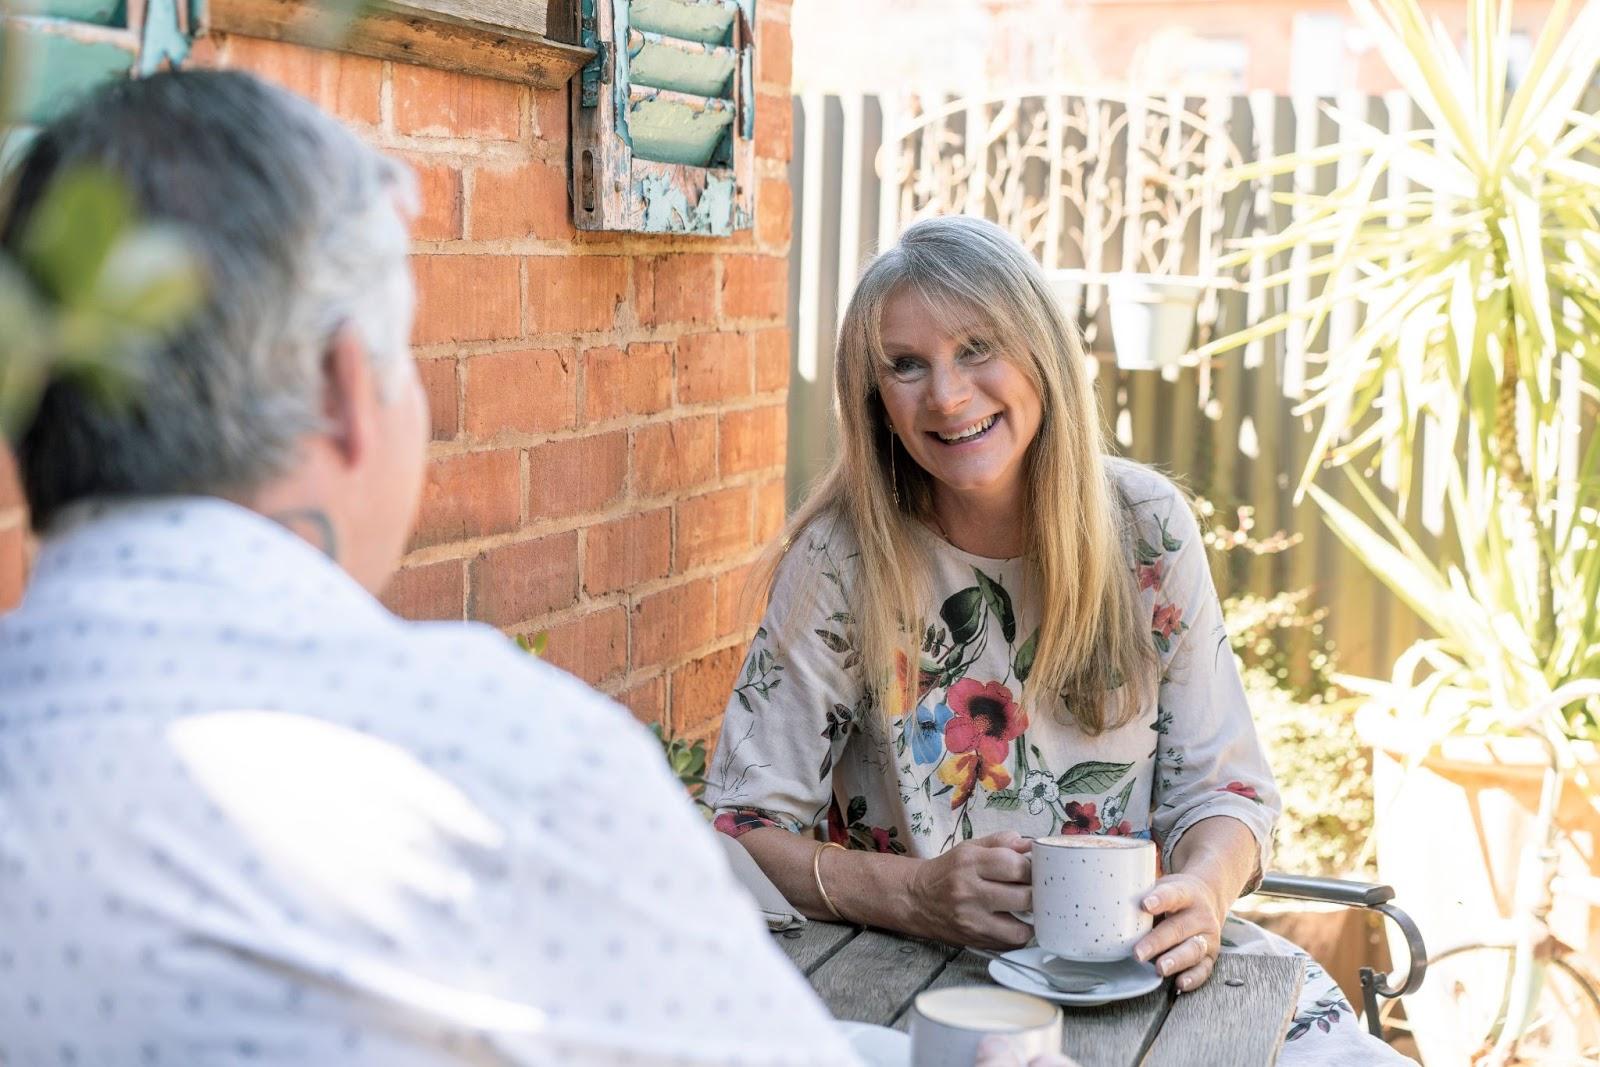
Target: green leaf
<point>963,614</point>
<point>999,603</point>
<point>80,220</point>
<point>745,701</point>
<point>1091,776</point>
<point>1419,585</point>
<point>1121,799</point>
<point>1022,666</point>
<point>857,810</point>
<point>1004,800</point>
<point>966,827</point>
<point>833,640</point>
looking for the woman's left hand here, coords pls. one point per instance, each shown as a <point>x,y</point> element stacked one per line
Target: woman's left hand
<point>1188,930</point>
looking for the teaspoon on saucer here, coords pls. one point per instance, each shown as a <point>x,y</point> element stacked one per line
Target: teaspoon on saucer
<point>1061,983</point>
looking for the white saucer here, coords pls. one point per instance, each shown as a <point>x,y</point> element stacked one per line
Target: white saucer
<point>1124,979</point>
<point>878,1046</point>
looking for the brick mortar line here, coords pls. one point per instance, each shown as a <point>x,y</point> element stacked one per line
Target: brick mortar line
<point>475,154</point>
<point>583,341</point>
<point>740,638</point>
<point>633,676</point>
<point>465,145</point>
<point>470,548</point>
<point>671,333</point>
<point>633,594</point>
<point>386,98</point>
<point>562,247</point>
<point>464,444</point>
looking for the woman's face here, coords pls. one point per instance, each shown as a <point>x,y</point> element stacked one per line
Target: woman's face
<point>964,413</point>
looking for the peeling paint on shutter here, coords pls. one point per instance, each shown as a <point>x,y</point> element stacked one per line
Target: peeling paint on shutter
<point>68,47</point>
<point>663,118</point>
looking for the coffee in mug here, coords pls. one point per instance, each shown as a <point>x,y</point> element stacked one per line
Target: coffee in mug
<point>1087,892</point>
<point>947,1025</point>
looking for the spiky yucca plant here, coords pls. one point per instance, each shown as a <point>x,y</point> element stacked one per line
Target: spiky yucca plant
<point>1479,293</point>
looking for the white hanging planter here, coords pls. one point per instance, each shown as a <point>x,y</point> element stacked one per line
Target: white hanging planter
<point>1068,286</point>
<point>1152,318</point>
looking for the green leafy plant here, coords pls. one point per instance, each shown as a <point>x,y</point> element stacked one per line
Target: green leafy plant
<point>688,763</point>
<point>1479,290</point>
<point>90,287</point>
<point>1303,717</point>
<point>89,291</point>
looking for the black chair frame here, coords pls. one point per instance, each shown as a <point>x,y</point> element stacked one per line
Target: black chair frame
<point>1372,897</point>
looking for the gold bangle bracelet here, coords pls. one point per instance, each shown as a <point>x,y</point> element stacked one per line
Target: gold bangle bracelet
<point>816,872</point>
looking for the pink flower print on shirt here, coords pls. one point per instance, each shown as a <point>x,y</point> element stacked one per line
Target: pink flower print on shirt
<point>1239,788</point>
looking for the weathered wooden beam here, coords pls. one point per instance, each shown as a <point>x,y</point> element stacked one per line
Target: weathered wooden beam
<point>457,35</point>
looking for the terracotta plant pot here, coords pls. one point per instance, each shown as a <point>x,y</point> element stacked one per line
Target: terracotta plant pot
<point>1452,824</point>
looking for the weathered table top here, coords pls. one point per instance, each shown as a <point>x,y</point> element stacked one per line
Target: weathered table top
<point>1237,1019</point>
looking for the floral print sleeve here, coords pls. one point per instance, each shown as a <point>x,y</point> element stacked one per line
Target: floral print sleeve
<point>1208,759</point>
<point>795,702</point>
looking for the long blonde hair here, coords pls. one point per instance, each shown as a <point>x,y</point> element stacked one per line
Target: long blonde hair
<point>1092,649</point>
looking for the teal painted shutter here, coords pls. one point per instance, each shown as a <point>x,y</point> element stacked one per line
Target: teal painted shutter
<point>664,117</point>
<point>67,47</point>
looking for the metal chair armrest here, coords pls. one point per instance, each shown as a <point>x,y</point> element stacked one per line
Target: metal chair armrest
<point>1373,897</point>
<point>1328,890</point>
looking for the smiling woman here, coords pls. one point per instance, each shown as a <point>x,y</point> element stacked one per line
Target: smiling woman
<point>988,631</point>
<point>964,414</point>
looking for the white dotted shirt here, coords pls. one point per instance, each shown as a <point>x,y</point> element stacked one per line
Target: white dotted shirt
<point>248,815</point>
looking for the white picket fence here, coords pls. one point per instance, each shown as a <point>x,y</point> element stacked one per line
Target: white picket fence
<point>1099,183</point>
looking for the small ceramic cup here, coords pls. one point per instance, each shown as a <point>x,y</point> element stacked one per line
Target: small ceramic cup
<point>947,1025</point>
<point>1087,893</point>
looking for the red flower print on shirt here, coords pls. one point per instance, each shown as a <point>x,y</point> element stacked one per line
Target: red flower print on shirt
<point>1150,574</point>
<point>1081,818</point>
<point>1167,620</point>
<point>986,720</point>
<point>741,821</point>
<point>1246,791</point>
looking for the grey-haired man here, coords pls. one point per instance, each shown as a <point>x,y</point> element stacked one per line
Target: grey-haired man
<point>245,813</point>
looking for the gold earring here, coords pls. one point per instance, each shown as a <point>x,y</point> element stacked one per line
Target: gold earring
<point>894,481</point>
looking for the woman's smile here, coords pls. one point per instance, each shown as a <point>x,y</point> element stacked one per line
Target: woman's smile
<point>970,434</point>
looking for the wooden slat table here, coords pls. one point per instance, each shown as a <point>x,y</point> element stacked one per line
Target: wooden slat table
<point>1237,1019</point>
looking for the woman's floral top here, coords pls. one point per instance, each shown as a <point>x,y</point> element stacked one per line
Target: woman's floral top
<point>964,748</point>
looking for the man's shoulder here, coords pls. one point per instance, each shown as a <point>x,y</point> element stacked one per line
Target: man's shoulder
<point>481,660</point>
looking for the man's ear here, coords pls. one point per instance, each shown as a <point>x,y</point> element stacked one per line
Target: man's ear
<point>350,395</point>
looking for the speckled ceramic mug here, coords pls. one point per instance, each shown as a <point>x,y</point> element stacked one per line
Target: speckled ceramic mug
<point>1087,891</point>
<point>948,1025</point>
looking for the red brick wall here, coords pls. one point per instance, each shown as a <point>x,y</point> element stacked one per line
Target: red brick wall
<point>608,410</point>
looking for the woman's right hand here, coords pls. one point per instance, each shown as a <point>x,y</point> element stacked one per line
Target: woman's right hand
<point>964,896</point>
